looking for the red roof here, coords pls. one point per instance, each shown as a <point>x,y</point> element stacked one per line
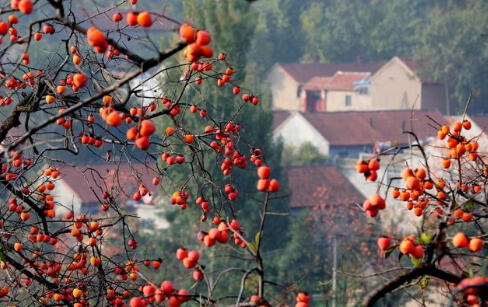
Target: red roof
<point>306,182</point>
<point>304,72</point>
<point>345,81</point>
<point>120,180</point>
<point>317,83</point>
<point>279,117</point>
<point>352,128</point>
<point>341,81</point>
<point>481,121</point>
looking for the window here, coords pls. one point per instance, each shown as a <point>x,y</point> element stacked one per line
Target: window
<point>348,100</point>
<point>363,90</point>
<point>90,208</point>
<point>313,101</point>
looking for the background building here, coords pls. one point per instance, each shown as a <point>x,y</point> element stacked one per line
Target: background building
<point>391,85</point>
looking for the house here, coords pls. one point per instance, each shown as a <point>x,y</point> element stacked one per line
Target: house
<point>346,134</point>
<point>311,186</point>
<point>291,84</point>
<point>391,85</point>
<point>333,206</point>
<point>81,189</point>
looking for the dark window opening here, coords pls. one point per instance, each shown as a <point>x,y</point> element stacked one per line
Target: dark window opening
<point>362,90</point>
<point>313,101</point>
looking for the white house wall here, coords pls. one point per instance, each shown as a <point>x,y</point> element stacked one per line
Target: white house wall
<point>296,131</point>
<point>395,87</point>
<point>152,213</point>
<point>336,101</point>
<point>395,217</point>
<point>65,196</point>
<point>284,89</point>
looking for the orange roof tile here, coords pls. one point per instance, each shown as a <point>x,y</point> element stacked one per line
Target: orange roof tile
<point>305,181</point>
<point>120,180</point>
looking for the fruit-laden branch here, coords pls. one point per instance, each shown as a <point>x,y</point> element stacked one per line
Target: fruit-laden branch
<point>72,25</point>
<point>136,58</point>
<point>29,104</point>
<point>473,288</point>
<point>148,64</point>
<point>21,268</point>
<point>29,202</point>
<point>409,276</point>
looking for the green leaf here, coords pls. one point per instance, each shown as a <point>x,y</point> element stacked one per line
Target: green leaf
<point>469,205</point>
<point>424,282</point>
<point>257,238</point>
<point>425,238</point>
<point>416,262</point>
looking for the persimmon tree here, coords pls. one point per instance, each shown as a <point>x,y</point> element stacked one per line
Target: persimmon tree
<point>443,185</point>
<point>69,86</point>
<point>238,19</point>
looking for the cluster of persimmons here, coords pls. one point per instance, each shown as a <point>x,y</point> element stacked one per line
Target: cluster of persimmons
<point>447,190</point>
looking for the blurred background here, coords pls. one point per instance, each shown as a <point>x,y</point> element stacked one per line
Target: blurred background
<point>338,82</point>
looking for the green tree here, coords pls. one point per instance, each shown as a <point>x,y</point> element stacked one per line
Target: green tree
<point>306,154</point>
<point>452,48</point>
<point>232,25</point>
<point>353,31</point>
<point>277,36</point>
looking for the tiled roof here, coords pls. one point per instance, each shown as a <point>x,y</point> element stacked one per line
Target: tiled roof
<point>367,127</point>
<point>305,182</point>
<point>317,83</point>
<point>481,121</point>
<point>341,81</point>
<point>304,72</point>
<point>121,180</point>
<point>345,80</point>
<point>279,117</point>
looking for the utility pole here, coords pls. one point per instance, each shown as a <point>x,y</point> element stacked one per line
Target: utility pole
<point>334,272</point>
<point>446,93</point>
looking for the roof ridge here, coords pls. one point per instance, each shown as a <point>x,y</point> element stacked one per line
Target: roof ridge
<point>368,111</point>
<point>353,72</point>
<point>311,166</point>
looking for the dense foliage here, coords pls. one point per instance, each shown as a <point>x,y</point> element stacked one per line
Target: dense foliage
<point>447,38</point>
